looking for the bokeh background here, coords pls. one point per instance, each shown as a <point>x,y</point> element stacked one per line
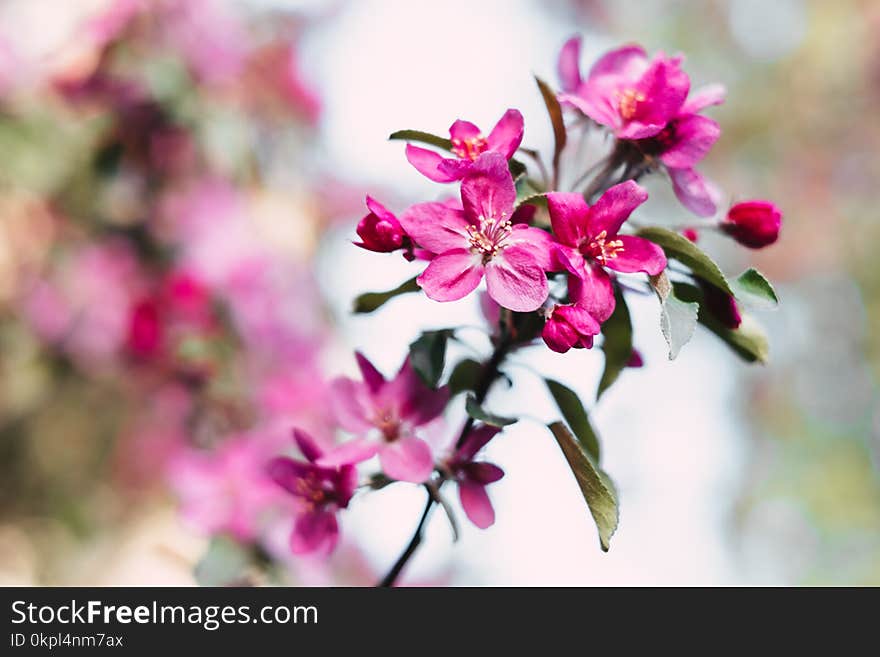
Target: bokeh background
<point>179,186</point>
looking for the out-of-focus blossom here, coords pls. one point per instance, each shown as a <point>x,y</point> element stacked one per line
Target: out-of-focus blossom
<point>754,224</point>
<point>481,240</point>
<point>385,415</point>
<point>569,326</point>
<point>318,491</point>
<point>380,230</point>
<point>274,73</point>
<point>228,490</point>
<point>468,144</point>
<point>589,242</point>
<point>632,95</point>
<point>473,476</point>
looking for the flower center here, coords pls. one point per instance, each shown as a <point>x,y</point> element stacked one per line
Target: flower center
<point>602,250</point>
<point>488,239</point>
<point>470,148</point>
<point>310,488</point>
<point>628,102</point>
<point>389,424</point>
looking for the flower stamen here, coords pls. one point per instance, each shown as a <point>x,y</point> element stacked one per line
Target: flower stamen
<point>628,102</point>
<point>470,148</point>
<point>601,250</point>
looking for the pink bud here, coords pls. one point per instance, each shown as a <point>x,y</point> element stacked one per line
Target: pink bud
<point>691,234</point>
<point>569,327</point>
<point>754,224</point>
<point>380,230</point>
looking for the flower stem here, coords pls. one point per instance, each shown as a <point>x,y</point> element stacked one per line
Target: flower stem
<point>488,377</point>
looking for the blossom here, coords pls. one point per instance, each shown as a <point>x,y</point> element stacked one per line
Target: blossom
<point>319,493</point>
<point>385,416</point>
<point>481,240</point>
<point>722,305</point>
<point>625,91</point>
<point>754,224</point>
<point>683,143</point>
<point>569,326</point>
<point>589,242</point>
<point>473,476</point>
<point>468,144</point>
<point>380,230</point>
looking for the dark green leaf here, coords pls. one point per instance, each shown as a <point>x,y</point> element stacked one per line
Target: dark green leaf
<point>748,341</point>
<point>479,413</point>
<point>678,319</point>
<point>595,485</point>
<point>618,343</point>
<point>686,252</point>
<point>517,169</point>
<point>465,376</point>
<point>576,416</point>
<point>428,355</point>
<point>753,290</point>
<point>423,137</point>
<point>225,563</point>
<point>370,301</point>
<point>555,112</point>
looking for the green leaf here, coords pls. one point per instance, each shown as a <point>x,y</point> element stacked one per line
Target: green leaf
<point>749,341</point>
<point>678,319</point>
<point>618,343</point>
<point>555,112</point>
<point>477,412</point>
<point>575,415</point>
<point>423,137</point>
<point>517,169</point>
<point>225,563</point>
<point>686,252</point>
<point>465,376</point>
<point>596,487</point>
<point>370,301</point>
<point>427,355</point>
<point>754,291</point>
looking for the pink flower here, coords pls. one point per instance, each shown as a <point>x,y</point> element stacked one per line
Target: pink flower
<point>385,416</point>
<point>473,477</point>
<point>227,490</point>
<point>380,230</point>
<point>319,493</point>
<point>482,240</point>
<point>589,242</point>
<point>569,326</point>
<point>468,144</point>
<point>683,143</point>
<point>754,224</point>
<point>625,91</point>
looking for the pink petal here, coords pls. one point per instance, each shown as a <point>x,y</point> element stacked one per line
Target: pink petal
<point>507,134</point>
<point>568,216</point>
<point>287,473</point>
<point>427,163</point>
<point>483,473</point>
<point>351,404</point>
<point>456,169</point>
<point>595,101</point>
<point>559,335</point>
<point>515,280</point>
<point>614,207</point>
<point>372,377</point>
<point>487,190</point>
<point>380,210</point>
<point>568,259</point>
<point>476,504</point>
<point>407,459</point>
<point>694,192</point>
<point>452,275</point>
<point>475,441</point>
<point>579,319</point>
<point>416,402</point>
<point>350,452</point>
<point>704,97</point>
<point>628,62</point>
<point>665,87</point>
<point>436,226</point>
<point>307,445</point>
<point>568,66</point>
<point>593,292</point>
<point>638,254</point>
<point>315,531</point>
<point>538,241</point>
<point>694,136</point>
<point>639,130</point>
<point>463,130</point>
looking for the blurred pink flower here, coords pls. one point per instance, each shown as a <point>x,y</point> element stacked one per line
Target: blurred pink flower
<point>625,91</point>
<point>385,416</point>
<point>228,490</point>
<point>319,492</point>
<point>468,144</point>
<point>473,476</point>
<point>481,240</point>
<point>589,242</point>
